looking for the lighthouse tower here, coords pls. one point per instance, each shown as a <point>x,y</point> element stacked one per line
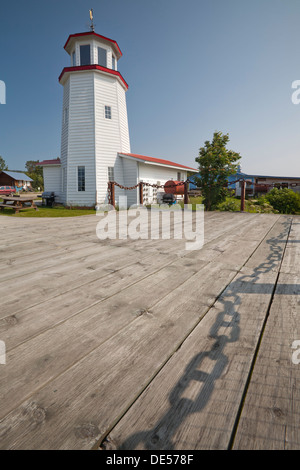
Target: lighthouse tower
<point>94,121</point>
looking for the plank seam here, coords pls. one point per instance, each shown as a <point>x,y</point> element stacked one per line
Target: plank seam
<point>105,298</point>
<point>256,352</point>
<point>101,444</point>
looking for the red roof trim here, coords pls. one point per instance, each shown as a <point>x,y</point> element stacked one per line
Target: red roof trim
<point>157,160</point>
<point>49,162</point>
<point>92,33</point>
<point>92,67</point>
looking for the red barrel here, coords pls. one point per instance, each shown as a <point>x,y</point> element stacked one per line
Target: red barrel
<point>174,187</point>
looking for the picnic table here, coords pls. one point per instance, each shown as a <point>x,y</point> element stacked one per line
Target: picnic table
<point>18,203</point>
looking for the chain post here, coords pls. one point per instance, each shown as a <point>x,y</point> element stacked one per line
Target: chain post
<point>243,194</point>
<point>141,193</point>
<point>186,195</point>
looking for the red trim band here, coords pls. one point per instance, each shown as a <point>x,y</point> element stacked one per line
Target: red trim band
<point>92,67</point>
<point>92,33</point>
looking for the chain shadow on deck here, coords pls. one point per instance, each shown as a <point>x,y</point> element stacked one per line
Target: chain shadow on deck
<point>161,435</point>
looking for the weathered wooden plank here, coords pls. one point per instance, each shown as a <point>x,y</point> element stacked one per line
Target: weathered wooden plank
<point>193,402</point>
<point>271,413</point>
<point>142,348</point>
<point>133,289</point>
<point>33,321</point>
<point>290,263</point>
<point>37,229</point>
<point>49,282</point>
<point>37,261</point>
<point>115,371</point>
<point>15,328</point>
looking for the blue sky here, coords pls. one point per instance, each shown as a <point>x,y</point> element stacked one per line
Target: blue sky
<point>193,67</point>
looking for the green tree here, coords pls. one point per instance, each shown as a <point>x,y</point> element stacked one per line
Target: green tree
<point>216,163</point>
<point>284,200</point>
<point>3,165</point>
<point>35,172</point>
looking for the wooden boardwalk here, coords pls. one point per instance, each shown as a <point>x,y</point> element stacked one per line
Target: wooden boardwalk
<point>140,344</point>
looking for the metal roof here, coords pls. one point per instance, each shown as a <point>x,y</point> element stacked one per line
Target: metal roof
<point>18,176</point>
<point>265,176</point>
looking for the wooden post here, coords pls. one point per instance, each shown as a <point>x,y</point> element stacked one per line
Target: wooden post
<point>111,193</point>
<point>186,196</point>
<point>243,194</point>
<point>113,201</point>
<point>141,193</point>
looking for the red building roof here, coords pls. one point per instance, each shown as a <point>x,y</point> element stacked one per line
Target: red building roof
<point>144,158</point>
<point>159,161</point>
<point>56,161</point>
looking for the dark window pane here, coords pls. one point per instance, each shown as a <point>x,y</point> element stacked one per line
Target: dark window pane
<point>85,55</point>
<point>81,178</point>
<point>102,57</point>
<point>107,112</point>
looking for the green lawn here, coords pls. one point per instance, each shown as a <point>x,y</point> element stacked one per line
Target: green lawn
<point>44,211</point>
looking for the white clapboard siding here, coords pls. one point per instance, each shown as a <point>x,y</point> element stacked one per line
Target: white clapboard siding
<point>52,180</point>
<point>160,173</point>
<point>130,179</point>
<point>154,174</point>
<point>81,145</point>
<point>123,117</point>
<point>65,141</point>
<point>111,135</point>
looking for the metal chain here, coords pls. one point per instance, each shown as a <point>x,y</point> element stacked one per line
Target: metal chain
<point>157,186</point>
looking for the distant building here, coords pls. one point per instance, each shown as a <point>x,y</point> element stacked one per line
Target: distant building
<point>257,185</point>
<point>262,184</point>
<point>17,179</point>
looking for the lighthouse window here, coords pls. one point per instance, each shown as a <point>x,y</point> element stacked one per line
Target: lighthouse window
<point>107,112</point>
<point>102,57</point>
<point>113,63</point>
<point>81,178</point>
<point>85,55</point>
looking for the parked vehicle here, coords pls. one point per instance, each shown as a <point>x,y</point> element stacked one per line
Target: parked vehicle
<point>7,190</point>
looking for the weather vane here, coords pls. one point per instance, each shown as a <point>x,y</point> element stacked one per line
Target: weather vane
<point>92,20</point>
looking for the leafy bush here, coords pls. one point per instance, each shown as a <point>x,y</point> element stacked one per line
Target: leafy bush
<point>285,201</point>
<point>229,205</point>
